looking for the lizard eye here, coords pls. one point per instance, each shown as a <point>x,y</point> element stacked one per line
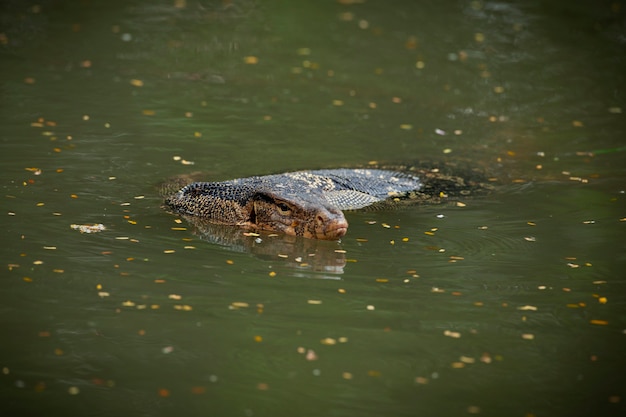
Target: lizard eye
<point>283,208</point>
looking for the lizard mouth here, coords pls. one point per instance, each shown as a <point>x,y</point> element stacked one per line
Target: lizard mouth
<point>334,230</point>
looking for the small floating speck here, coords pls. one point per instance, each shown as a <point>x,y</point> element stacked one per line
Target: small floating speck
<point>452,334</point>
<point>239,304</point>
<point>88,228</point>
<point>440,132</point>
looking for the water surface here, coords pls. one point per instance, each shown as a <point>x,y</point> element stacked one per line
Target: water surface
<point>507,304</point>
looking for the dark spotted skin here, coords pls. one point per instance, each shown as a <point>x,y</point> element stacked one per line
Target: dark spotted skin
<point>305,203</point>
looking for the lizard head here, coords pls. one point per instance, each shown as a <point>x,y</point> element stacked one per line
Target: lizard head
<point>302,218</point>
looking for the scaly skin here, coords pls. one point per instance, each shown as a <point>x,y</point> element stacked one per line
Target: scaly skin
<point>306,203</point>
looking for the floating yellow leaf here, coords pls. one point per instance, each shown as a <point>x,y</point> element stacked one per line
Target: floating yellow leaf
<point>239,304</point>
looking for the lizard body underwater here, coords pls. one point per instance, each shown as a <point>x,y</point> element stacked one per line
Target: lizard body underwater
<point>308,203</point>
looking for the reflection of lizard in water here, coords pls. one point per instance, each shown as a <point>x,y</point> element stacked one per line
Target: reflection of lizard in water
<point>309,203</point>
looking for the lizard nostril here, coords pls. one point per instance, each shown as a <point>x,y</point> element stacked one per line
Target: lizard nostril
<point>320,220</point>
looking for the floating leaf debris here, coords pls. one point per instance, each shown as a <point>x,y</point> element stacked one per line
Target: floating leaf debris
<point>88,228</point>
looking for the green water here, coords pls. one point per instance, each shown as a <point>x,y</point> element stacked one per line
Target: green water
<point>511,305</point>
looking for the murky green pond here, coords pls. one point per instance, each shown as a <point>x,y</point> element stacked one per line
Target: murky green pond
<point>511,304</point>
